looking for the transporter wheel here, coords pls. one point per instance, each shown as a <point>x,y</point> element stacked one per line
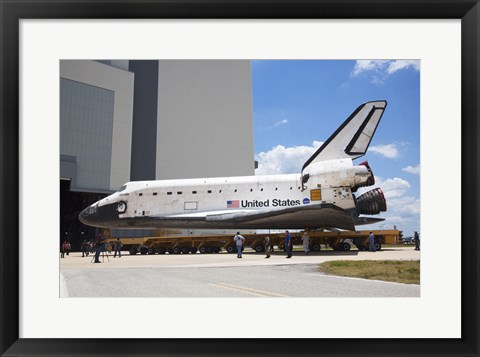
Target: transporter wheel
<point>346,247</point>
<point>231,249</point>
<point>185,250</point>
<point>152,250</point>
<point>143,250</point>
<point>133,251</point>
<point>209,249</point>
<point>177,250</point>
<point>378,246</point>
<point>193,250</point>
<point>161,250</point>
<point>316,247</point>
<point>259,248</point>
<point>169,250</point>
<point>203,250</point>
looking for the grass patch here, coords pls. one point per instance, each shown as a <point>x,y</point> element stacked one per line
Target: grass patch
<point>399,271</point>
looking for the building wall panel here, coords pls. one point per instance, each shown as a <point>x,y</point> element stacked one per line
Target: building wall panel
<point>205,123</point>
<point>106,79</point>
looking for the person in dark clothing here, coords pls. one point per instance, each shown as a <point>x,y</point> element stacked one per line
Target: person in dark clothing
<point>118,248</point>
<point>371,242</point>
<point>99,247</point>
<point>288,244</point>
<point>84,248</point>
<point>416,239</point>
<point>62,249</point>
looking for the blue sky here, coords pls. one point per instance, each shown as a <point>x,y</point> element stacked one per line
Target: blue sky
<point>298,104</point>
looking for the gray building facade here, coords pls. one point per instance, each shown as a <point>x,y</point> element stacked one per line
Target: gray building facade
<point>125,121</point>
<point>130,120</point>
<point>96,115</point>
<point>205,124</point>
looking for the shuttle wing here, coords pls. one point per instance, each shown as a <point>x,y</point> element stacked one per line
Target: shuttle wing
<point>309,216</point>
<point>352,138</point>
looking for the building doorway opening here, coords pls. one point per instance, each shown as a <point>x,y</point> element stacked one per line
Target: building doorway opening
<point>71,204</point>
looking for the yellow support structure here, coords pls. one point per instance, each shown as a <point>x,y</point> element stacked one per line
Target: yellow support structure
<point>177,244</point>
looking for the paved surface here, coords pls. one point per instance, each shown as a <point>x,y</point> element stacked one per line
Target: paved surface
<point>224,275</point>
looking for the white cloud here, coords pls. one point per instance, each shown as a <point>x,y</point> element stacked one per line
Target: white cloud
<point>367,66</point>
<point>380,70</point>
<point>407,205</point>
<point>404,212</point>
<point>389,151</point>
<point>378,80</point>
<point>284,160</point>
<point>281,122</point>
<point>394,187</point>
<point>395,66</point>
<point>412,169</point>
<point>269,119</point>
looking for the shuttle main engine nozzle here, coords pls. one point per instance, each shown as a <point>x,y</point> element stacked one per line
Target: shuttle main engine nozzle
<point>365,176</point>
<point>372,202</point>
<point>371,180</point>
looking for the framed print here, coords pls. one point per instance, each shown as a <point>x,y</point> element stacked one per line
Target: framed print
<point>38,37</point>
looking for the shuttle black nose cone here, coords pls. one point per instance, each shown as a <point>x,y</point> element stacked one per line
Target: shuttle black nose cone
<point>88,215</point>
<point>104,216</point>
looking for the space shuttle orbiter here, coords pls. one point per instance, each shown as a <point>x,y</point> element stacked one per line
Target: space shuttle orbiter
<point>322,195</point>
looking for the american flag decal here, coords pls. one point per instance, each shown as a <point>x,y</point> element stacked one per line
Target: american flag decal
<point>233,204</point>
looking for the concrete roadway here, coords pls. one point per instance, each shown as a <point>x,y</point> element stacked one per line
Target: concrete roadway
<point>224,275</point>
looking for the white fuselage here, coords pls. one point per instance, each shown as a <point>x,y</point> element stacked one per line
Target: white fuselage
<point>332,181</point>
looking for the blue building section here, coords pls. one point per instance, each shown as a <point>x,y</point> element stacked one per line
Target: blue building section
<point>86,124</point>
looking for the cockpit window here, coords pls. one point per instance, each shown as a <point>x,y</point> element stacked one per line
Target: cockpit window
<point>123,188</point>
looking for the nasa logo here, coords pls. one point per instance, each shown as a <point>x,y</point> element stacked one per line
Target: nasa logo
<point>306,201</point>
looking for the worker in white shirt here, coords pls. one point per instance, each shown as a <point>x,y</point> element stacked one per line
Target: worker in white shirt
<point>239,240</point>
<point>306,242</point>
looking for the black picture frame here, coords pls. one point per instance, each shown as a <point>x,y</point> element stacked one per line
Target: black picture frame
<point>13,11</point>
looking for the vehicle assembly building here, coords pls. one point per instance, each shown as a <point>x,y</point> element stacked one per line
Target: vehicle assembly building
<point>124,120</point>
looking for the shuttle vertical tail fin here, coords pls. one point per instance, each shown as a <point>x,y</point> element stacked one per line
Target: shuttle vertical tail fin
<point>352,138</point>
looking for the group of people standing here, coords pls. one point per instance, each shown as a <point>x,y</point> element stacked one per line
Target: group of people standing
<point>289,246</point>
<point>372,247</point>
<point>98,247</point>
<point>240,241</point>
<point>65,249</point>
